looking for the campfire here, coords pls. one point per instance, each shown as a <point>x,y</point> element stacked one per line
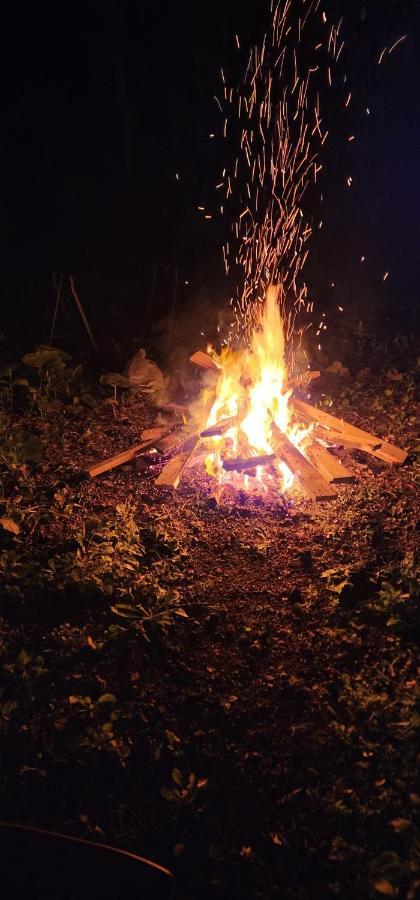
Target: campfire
<point>249,430</point>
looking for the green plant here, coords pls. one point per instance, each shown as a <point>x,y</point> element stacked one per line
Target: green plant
<point>114,380</point>
<point>183,789</point>
<point>8,384</point>
<point>55,380</point>
<point>19,447</point>
<point>155,611</point>
<point>108,554</point>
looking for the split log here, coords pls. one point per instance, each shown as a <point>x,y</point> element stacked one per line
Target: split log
<point>120,458</point>
<point>219,427</point>
<point>171,474</point>
<point>239,465</point>
<point>331,469</point>
<point>311,414</point>
<point>312,482</point>
<point>205,361</point>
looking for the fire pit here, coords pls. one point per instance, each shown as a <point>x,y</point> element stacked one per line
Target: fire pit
<point>250,431</point>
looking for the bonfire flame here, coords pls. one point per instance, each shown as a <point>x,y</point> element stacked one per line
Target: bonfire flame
<point>252,389</point>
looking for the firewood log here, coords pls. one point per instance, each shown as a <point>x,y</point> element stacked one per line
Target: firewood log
<point>311,481</point>
<point>331,469</point>
<point>324,419</point>
<point>239,465</point>
<point>171,474</point>
<point>120,458</point>
<point>219,427</point>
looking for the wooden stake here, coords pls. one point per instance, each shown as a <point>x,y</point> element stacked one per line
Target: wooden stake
<point>312,482</point>
<point>171,474</point>
<point>81,311</point>
<point>331,469</point>
<point>58,287</point>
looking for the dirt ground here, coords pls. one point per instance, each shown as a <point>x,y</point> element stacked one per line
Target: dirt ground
<point>230,690</point>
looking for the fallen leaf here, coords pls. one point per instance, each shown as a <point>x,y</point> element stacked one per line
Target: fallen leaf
<point>83,701</point>
<point>400,824</point>
<point>385,887</point>
<point>10,525</point>
<point>337,368</point>
<point>276,838</point>
<point>107,698</point>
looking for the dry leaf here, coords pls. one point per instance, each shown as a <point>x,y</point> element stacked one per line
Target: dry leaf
<point>10,525</point>
<point>385,887</point>
<point>400,824</point>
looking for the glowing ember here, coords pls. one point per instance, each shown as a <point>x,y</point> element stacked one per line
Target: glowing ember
<point>252,390</point>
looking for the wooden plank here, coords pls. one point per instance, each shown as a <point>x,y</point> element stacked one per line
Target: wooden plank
<point>328,465</point>
<point>345,440</point>
<point>219,427</point>
<point>311,481</point>
<point>351,436</point>
<point>120,458</point>
<point>390,453</point>
<point>239,465</point>
<point>171,441</point>
<point>205,361</point>
<point>150,434</point>
<point>322,418</point>
<point>171,474</point>
<point>83,316</point>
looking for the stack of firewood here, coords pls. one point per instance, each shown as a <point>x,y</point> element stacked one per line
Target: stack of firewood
<point>317,470</point>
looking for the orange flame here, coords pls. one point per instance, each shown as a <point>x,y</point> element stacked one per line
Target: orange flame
<point>252,389</point>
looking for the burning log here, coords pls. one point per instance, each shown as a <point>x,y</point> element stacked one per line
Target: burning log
<point>205,361</point>
<point>331,469</point>
<point>311,481</point>
<point>240,465</point>
<point>120,458</point>
<point>219,427</point>
<point>171,474</point>
<point>344,429</point>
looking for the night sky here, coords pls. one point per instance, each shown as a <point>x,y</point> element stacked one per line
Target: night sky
<point>103,103</point>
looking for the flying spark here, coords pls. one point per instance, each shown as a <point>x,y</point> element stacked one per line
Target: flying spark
<point>277,112</point>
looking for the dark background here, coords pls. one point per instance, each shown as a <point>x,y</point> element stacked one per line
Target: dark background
<point>103,103</point>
